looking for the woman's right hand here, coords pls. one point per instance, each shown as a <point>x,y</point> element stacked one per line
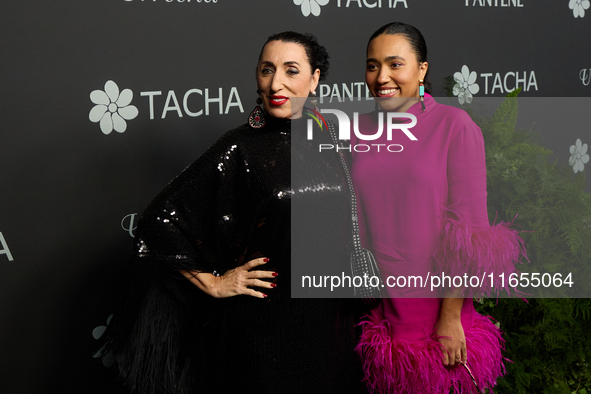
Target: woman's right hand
<point>239,280</point>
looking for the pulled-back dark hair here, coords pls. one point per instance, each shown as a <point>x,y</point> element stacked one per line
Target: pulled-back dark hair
<point>414,37</point>
<point>316,53</point>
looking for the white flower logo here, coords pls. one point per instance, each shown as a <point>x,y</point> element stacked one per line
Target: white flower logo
<point>465,86</point>
<point>579,156</point>
<point>578,7</point>
<point>108,359</point>
<point>312,6</point>
<point>112,108</point>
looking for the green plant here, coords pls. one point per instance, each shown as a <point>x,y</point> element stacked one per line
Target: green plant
<point>548,340</point>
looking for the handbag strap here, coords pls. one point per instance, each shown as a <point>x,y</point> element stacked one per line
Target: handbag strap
<point>356,239</point>
<point>472,377</point>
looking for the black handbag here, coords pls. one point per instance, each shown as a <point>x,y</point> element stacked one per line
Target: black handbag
<point>363,263</point>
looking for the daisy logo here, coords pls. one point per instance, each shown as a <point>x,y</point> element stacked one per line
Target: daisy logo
<point>112,108</point>
<point>579,156</point>
<point>465,86</point>
<point>579,7</point>
<point>310,6</point>
<point>107,358</point>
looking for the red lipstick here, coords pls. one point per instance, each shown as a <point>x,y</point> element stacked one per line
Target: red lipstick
<point>278,100</point>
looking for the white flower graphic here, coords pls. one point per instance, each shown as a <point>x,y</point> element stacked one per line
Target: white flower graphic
<point>465,86</point>
<point>112,108</point>
<point>579,7</point>
<point>108,358</point>
<point>579,156</point>
<point>311,6</point>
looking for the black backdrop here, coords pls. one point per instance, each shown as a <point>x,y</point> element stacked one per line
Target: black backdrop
<point>70,192</point>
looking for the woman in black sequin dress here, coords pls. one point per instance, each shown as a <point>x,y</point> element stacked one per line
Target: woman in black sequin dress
<point>210,309</point>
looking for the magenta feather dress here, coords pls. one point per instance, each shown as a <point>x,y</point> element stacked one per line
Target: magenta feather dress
<point>424,210</point>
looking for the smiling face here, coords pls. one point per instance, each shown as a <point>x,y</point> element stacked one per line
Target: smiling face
<point>393,72</point>
<point>284,73</point>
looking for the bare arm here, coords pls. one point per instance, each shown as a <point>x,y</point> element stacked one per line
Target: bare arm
<point>234,282</point>
<point>450,331</point>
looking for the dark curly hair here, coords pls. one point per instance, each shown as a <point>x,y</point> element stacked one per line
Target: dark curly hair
<point>414,37</point>
<point>316,53</point>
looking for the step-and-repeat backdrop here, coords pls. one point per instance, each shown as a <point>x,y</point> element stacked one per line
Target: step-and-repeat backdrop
<point>104,101</point>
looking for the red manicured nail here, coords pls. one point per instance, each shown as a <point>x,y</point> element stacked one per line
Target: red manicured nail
<point>273,284</point>
<point>266,260</point>
<point>264,295</point>
<point>275,274</point>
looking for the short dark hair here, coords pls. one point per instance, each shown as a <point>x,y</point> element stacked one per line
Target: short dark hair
<point>414,37</point>
<point>316,53</point>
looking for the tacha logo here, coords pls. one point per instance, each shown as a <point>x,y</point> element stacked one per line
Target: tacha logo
<point>313,6</point>
<point>5,249</point>
<point>113,108</point>
<point>466,86</point>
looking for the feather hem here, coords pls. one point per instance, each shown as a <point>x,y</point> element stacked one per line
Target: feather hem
<point>415,367</point>
<point>150,336</point>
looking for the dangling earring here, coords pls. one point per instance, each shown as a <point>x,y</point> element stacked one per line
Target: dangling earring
<point>314,101</point>
<point>256,119</point>
<point>422,93</point>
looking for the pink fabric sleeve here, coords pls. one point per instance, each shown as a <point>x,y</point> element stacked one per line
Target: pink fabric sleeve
<point>470,245</point>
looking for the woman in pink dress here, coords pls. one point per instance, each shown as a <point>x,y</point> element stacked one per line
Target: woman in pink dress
<point>422,209</point>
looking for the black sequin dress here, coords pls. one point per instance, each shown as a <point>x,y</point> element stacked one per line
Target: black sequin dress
<point>231,205</point>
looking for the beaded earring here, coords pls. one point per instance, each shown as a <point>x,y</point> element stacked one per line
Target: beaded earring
<point>314,101</point>
<point>256,119</point>
<point>422,93</point>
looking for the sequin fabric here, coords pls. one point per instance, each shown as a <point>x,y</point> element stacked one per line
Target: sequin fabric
<point>233,204</point>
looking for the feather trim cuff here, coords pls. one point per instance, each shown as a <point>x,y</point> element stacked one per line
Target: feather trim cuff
<point>483,252</point>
